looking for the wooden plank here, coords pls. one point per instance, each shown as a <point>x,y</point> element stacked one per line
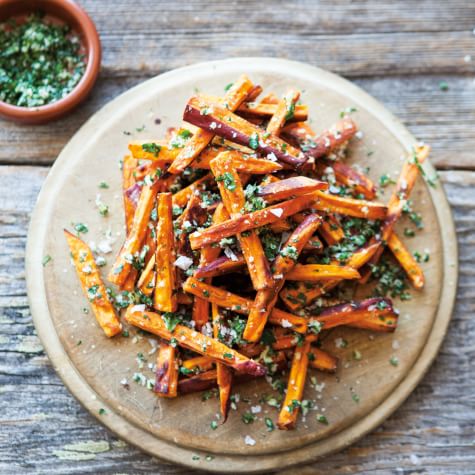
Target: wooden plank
<point>444,119</point>
<point>296,16</point>
<point>432,430</point>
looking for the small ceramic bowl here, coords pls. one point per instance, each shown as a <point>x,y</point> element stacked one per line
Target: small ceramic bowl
<point>66,11</point>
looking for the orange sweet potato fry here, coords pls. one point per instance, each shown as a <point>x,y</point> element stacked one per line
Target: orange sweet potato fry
<point>266,299</point>
<point>332,138</point>
<point>290,187</point>
<point>265,110</point>
<point>253,220</point>
<point>128,166</point>
<point>322,360</point>
<point>146,282</point>
<point>331,230</point>
<point>200,363</point>
<point>156,151</point>
<point>349,176</point>
<point>316,272</point>
<point>166,376</point>
<point>232,194</point>
<point>232,100</point>
<point>350,313</point>
<point>284,111</point>
<point>404,186</point>
<point>224,374</point>
<point>349,206</point>
<point>193,340</point>
<point>136,237</point>
<point>407,261</point>
<point>92,285</point>
<point>386,323</point>
<point>295,386</point>
<point>164,297</point>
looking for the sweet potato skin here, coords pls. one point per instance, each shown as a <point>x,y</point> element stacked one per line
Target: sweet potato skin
<point>166,376</point>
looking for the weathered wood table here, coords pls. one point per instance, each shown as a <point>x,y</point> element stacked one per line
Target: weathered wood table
<point>399,51</point>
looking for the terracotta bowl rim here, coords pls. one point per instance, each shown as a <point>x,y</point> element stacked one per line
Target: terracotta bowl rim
<point>88,31</point>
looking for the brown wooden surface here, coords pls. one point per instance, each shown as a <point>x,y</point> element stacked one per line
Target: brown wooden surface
<point>397,51</point>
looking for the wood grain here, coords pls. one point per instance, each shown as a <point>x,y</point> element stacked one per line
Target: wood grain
<point>40,426</point>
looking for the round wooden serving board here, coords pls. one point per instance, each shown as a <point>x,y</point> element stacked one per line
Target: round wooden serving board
<point>179,430</point>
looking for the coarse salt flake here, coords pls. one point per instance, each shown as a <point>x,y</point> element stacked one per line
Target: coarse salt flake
<point>248,440</point>
<point>277,212</point>
<point>183,262</point>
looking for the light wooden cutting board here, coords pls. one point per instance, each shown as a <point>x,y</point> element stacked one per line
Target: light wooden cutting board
<point>179,430</point>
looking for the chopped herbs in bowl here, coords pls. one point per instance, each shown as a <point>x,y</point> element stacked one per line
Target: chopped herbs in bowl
<point>40,62</point>
<point>50,56</point>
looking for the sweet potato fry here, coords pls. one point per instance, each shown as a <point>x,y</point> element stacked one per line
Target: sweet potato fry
<point>266,299</point>
<point>316,272</point>
<point>322,360</point>
<point>232,194</point>
<point>224,374</point>
<point>146,282</point>
<point>313,245</point>
<point>156,151</point>
<point>332,138</point>
<point>348,206</point>
<point>284,111</point>
<point>164,297</point>
<point>404,186</point>
<point>253,220</point>
<point>92,285</point>
<point>224,123</point>
<point>193,340</point>
<point>295,386</point>
<point>128,166</point>
<point>407,261</point>
<point>134,240</point>
<point>263,110</point>
<point>166,376</point>
<point>386,323</point>
<point>331,230</point>
<point>349,176</point>
<point>220,266</point>
<point>232,99</point>
<point>289,188</point>
<point>350,313</point>
<point>200,363</point>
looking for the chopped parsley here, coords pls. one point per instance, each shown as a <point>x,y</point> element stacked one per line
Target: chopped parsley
<point>290,251</point>
<point>322,419</point>
<point>385,180</point>
<point>81,228</point>
<point>171,320</point>
<point>228,86</point>
<point>254,141</point>
<point>253,202</point>
<point>248,418</point>
<point>269,424</point>
<point>46,260</point>
<point>394,360</point>
<point>443,86</point>
<point>40,62</point>
<point>214,425</point>
<point>103,185</point>
<point>391,280</point>
<point>151,148</point>
<point>228,180</point>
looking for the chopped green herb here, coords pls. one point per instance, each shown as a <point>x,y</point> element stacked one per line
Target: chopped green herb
<point>269,424</point>
<point>322,419</point>
<point>171,320</point>
<point>46,260</point>
<point>228,87</point>
<point>385,180</point>
<point>394,360</point>
<point>228,180</point>
<point>357,355</point>
<point>81,228</point>
<point>290,252</point>
<point>103,185</point>
<point>443,86</point>
<point>409,232</point>
<point>151,148</point>
<point>214,425</point>
<point>102,411</point>
<point>254,141</point>
<point>248,418</point>
<point>355,397</point>
<point>40,62</point>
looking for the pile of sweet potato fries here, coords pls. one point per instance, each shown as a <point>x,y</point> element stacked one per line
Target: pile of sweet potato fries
<point>231,227</point>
